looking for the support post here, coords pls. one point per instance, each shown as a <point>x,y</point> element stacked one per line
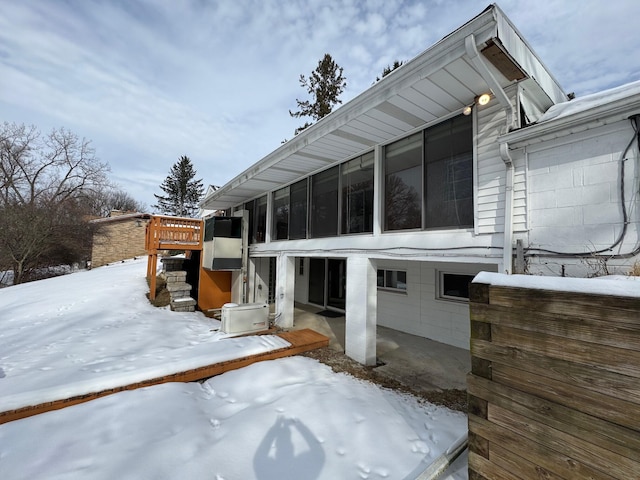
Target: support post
<point>285,290</point>
<point>361,321</point>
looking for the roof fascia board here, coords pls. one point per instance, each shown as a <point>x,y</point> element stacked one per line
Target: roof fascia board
<point>615,111</point>
<point>520,50</point>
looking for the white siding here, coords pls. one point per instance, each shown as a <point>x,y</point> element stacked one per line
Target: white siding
<point>419,311</point>
<point>490,174</point>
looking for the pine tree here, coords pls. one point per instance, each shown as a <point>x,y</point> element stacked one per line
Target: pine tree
<point>182,192</point>
<point>389,68</point>
<point>325,84</point>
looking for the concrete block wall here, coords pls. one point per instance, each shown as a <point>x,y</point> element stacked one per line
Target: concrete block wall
<point>118,241</point>
<point>419,311</point>
<point>574,190</point>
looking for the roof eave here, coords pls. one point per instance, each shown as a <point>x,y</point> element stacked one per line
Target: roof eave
<point>615,111</point>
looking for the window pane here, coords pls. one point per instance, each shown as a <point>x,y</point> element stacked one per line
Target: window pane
<point>261,218</point>
<point>449,173</point>
<point>357,195</point>
<point>381,278</point>
<point>281,214</point>
<point>249,208</point>
<point>324,203</point>
<point>456,285</point>
<point>403,185</point>
<point>298,210</point>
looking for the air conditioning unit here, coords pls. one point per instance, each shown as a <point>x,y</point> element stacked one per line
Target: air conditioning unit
<point>245,318</point>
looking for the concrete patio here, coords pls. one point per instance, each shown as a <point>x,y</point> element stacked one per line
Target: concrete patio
<point>423,364</point>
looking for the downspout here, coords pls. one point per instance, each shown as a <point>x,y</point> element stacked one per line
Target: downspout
<point>478,62</point>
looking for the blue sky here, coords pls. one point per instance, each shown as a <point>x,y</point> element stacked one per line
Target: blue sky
<point>150,80</point>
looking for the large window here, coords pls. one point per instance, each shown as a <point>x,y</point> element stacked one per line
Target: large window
<point>403,183</point>
<point>281,214</point>
<point>290,212</point>
<point>260,219</point>
<point>324,203</point>
<point>357,195</point>
<point>298,210</point>
<point>257,218</point>
<point>429,178</point>
<point>448,174</point>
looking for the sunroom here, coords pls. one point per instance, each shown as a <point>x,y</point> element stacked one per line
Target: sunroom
<point>401,191</point>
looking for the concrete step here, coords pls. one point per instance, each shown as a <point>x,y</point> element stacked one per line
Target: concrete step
<point>178,287</point>
<point>183,304</point>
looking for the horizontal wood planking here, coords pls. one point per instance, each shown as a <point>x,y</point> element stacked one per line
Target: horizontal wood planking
<point>301,341</point>
<point>612,308</point>
<point>520,446</point>
<point>607,434</point>
<point>582,450</point>
<point>578,327</point>
<point>582,376</point>
<point>560,381</point>
<point>619,360</point>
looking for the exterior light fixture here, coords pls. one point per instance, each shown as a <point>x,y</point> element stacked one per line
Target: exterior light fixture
<point>483,99</point>
<point>466,110</point>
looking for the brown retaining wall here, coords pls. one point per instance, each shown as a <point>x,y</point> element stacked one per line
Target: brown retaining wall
<point>554,391</point>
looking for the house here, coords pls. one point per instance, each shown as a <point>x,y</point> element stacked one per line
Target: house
<point>119,236</point>
<point>450,165</point>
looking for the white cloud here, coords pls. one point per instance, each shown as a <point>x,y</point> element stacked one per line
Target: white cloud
<point>152,80</point>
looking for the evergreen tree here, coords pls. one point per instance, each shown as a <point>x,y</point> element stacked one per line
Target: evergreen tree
<point>325,85</point>
<point>389,68</point>
<point>182,192</point>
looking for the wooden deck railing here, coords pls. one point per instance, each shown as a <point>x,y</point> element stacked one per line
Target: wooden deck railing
<point>170,233</point>
<point>174,233</point>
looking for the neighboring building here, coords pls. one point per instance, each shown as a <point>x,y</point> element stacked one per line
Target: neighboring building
<point>387,207</point>
<point>118,237</point>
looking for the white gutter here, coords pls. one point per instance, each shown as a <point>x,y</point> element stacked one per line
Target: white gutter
<point>472,51</point>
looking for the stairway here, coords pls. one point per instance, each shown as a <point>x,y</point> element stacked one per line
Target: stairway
<point>179,289</point>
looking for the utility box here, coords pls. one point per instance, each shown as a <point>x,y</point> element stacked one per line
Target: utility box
<point>245,318</point>
<point>222,243</point>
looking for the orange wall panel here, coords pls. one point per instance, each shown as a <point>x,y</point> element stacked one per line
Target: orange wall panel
<point>214,290</point>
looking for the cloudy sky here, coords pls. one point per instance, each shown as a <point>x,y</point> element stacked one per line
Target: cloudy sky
<point>150,80</point>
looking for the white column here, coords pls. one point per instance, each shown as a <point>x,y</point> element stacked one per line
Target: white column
<point>362,297</point>
<point>285,290</point>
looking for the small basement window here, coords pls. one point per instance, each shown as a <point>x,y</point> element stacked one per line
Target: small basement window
<point>454,286</point>
<point>392,280</point>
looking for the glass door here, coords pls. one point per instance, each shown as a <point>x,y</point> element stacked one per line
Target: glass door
<point>337,279</point>
<point>317,281</point>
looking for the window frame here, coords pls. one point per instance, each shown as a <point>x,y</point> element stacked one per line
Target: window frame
<point>392,289</point>
<point>441,281</point>
<point>424,193</point>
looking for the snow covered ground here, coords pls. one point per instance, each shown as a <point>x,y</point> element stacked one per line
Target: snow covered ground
<point>284,419</point>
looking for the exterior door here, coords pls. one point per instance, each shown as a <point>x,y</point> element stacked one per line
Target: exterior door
<point>336,282</point>
<point>327,282</point>
<point>317,281</point>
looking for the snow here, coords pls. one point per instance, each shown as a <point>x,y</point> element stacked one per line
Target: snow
<point>95,330</point>
<point>287,418</point>
<point>619,285</point>
<point>588,102</point>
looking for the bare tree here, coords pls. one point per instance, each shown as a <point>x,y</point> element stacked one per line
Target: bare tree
<point>111,197</point>
<point>44,183</point>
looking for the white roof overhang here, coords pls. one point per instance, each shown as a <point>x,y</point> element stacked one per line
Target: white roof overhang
<point>439,82</point>
<point>602,108</point>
